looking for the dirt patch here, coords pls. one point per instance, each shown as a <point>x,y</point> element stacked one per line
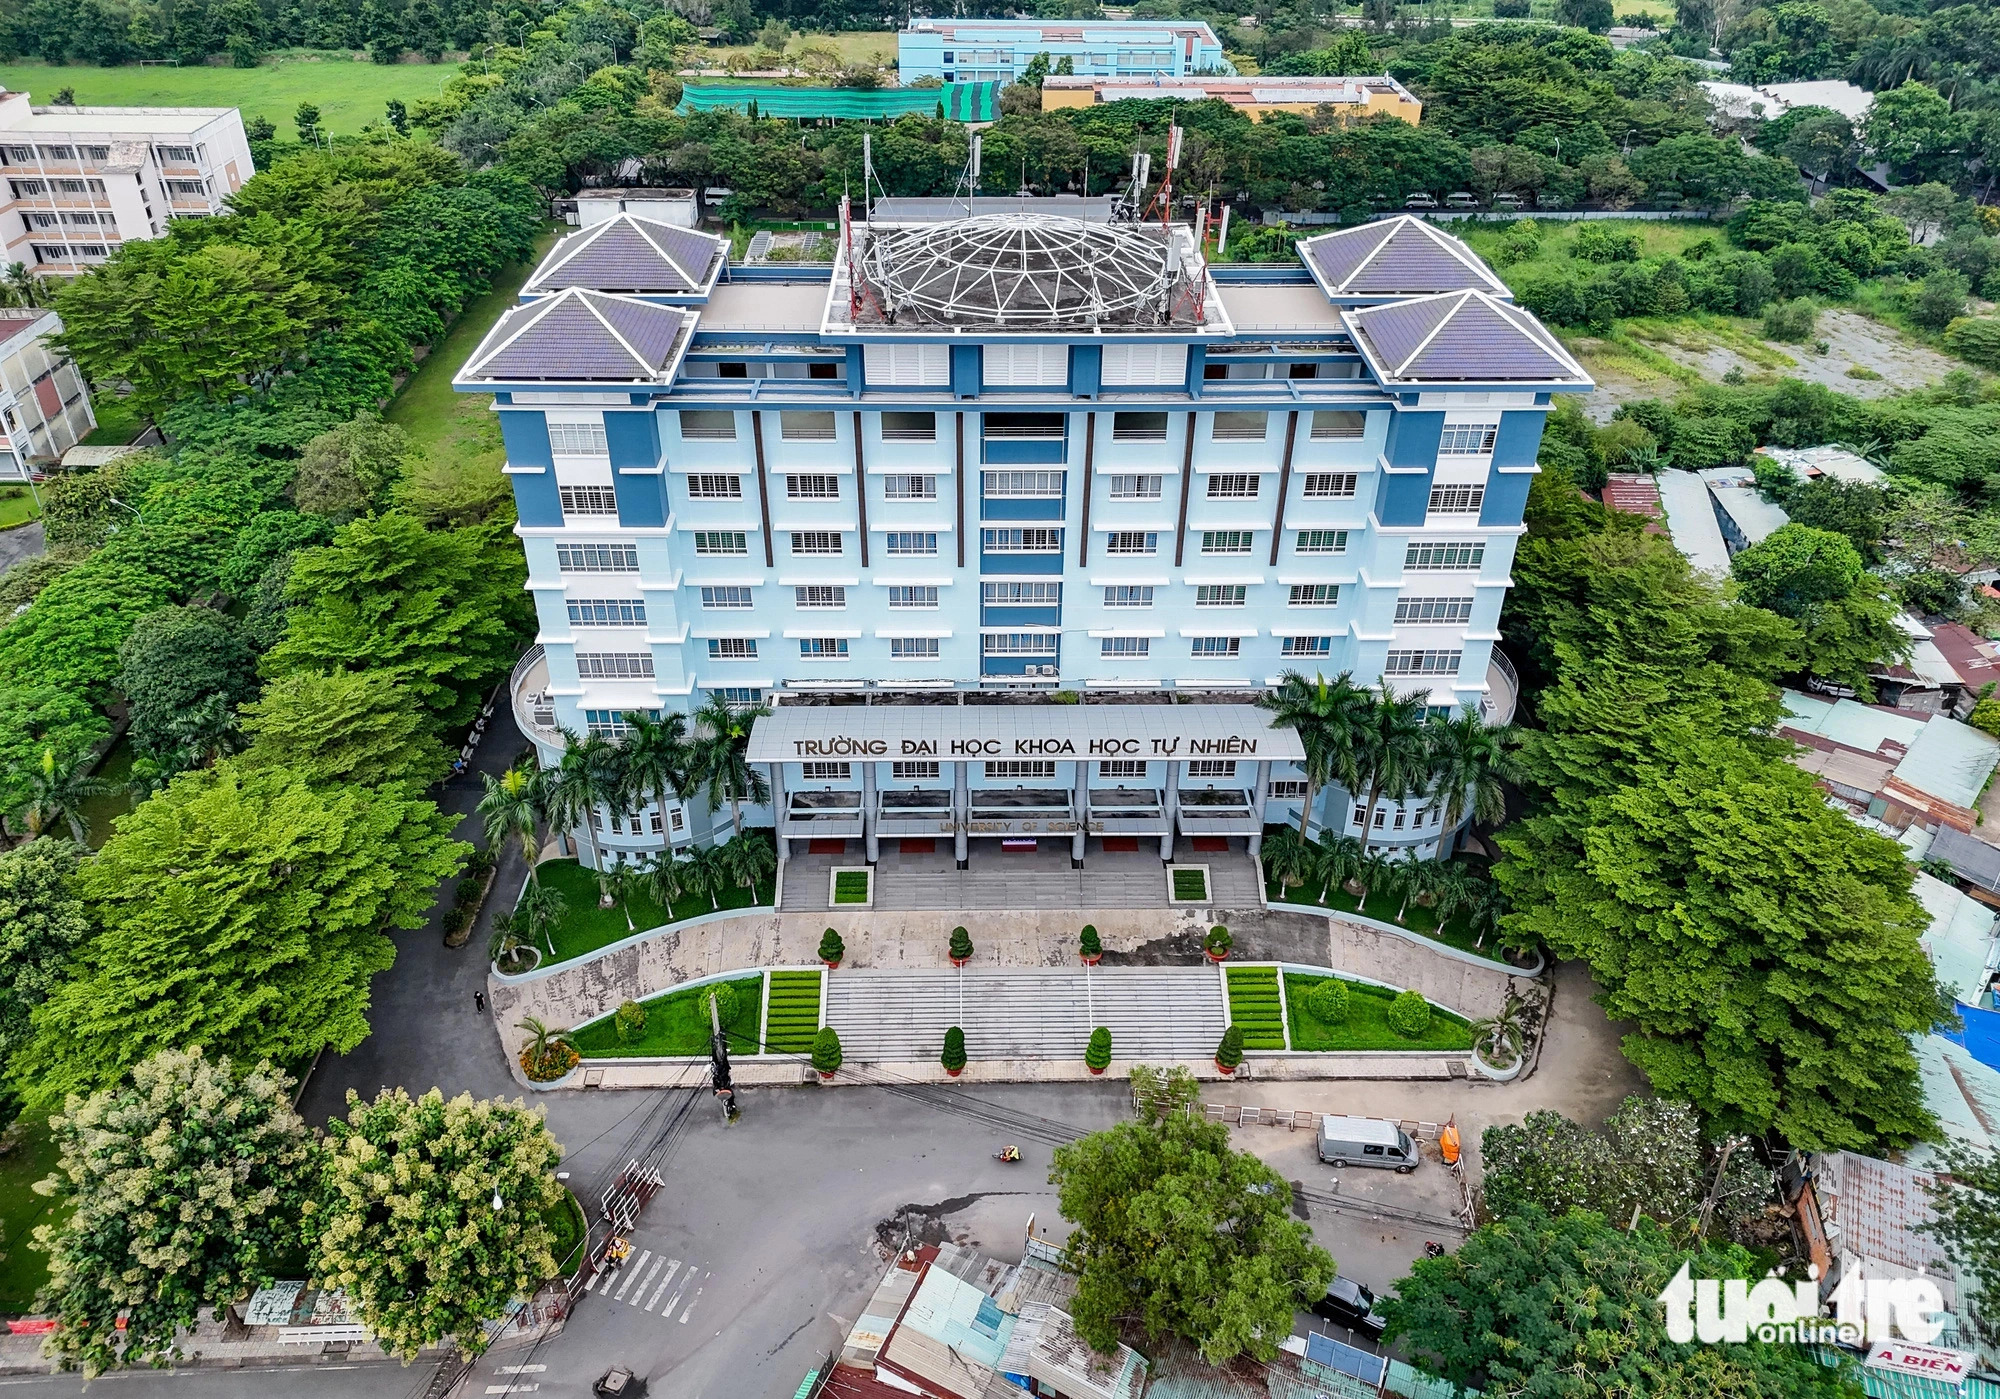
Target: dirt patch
<point>1259,936</point>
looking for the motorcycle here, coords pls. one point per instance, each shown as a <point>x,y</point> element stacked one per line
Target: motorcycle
<point>1008,1154</point>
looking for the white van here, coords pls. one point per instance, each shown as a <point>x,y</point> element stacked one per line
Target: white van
<point>1366,1141</point>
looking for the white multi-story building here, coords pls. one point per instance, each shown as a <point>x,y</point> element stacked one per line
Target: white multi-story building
<point>44,403</point>
<point>79,181</point>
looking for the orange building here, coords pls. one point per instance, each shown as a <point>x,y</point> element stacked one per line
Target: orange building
<point>1347,96</point>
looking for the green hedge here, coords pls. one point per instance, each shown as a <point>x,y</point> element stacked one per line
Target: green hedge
<point>1367,1023</point>
<point>677,1023</point>
<point>1253,1004</point>
<point>793,1016</point>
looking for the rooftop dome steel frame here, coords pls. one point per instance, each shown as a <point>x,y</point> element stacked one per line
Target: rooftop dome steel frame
<point>1023,269</point>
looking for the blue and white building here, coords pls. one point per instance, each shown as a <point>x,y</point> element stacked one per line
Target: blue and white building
<point>1011,517</point>
<point>999,50</point>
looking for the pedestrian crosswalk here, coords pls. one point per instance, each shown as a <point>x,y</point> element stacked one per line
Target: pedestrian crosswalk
<point>655,1284</point>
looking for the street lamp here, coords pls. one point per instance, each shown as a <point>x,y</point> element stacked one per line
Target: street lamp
<point>498,1203</point>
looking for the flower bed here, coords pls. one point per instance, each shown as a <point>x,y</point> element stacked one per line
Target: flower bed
<point>677,1023</point>
<point>556,1060</point>
<point>792,1018</point>
<point>1253,1004</point>
<point>1367,1024</point>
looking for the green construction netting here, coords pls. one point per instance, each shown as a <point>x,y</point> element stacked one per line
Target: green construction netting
<point>967,102</point>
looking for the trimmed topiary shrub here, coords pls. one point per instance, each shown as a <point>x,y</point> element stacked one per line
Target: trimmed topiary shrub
<point>1328,1002</point>
<point>1218,942</point>
<point>1229,1053</point>
<point>629,1022</point>
<point>826,1051</point>
<point>1090,945</point>
<point>953,1057</point>
<point>1409,1015</point>
<point>1097,1054</point>
<point>961,944</point>
<point>724,997</point>
<point>831,948</point>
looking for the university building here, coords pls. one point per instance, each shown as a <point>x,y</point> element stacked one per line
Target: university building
<point>1000,50</point>
<point>1010,518</point>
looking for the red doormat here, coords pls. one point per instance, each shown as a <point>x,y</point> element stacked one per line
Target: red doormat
<point>917,847</point>
<point>1121,845</point>
<point>826,847</point>
<point>1211,845</point>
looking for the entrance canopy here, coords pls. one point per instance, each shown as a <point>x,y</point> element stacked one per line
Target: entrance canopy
<point>1160,733</point>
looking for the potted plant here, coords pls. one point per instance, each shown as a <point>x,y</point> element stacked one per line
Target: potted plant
<point>1090,946</point>
<point>1229,1053</point>
<point>831,949</point>
<point>629,1022</point>
<point>961,947</point>
<point>826,1053</point>
<point>1217,943</point>
<point>953,1057</point>
<point>547,1055</point>
<point>1097,1054</point>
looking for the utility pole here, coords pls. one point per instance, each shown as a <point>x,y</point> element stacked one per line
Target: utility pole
<point>718,1066</point>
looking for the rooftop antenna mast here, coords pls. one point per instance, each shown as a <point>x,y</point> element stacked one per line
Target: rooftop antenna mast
<point>968,179</point>
<point>867,173</point>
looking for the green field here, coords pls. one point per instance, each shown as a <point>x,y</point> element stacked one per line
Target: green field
<point>1367,1023</point>
<point>348,95</point>
<point>678,1023</point>
<point>17,506</point>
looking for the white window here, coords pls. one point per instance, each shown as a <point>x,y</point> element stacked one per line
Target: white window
<point>614,666</point>
<point>909,487</point>
<point>912,542</point>
<point>822,648</point>
<point>1288,789</point>
<point>613,612</point>
<point>732,648</point>
<point>588,500</point>
<point>1220,595</point>
<point>1450,611</point>
<point>1216,648</point>
<point>1445,556</point>
<point>1314,595</point>
<point>707,424</point>
<point>1019,769</point>
<point>1239,427</point>
<point>730,599</point>
<point>913,598</point>
<point>915,772</point>
<point>1138,427</point>
<point>577,439</point>
<point>1467,439</point>
<point>1331,485</point>
<point>1128,595</point>
<point>1121,767</point>
<point>1021,541</point>
<point>826,772</point>
<point>1457,500</point>
<point>806,425</point>
<point>611,723</point>
<point>58,153</point>
<point>1145,364</point>
<point>1422,663</point>
<point>1225,541</point>
<point>600,558</point>
<point>815,541</point>
<point>1339,423</point>
<point>1235,485</point>
<point>1308,646</point>
<point>736,697</point>
<point>1135,487</point>
<point>1212,767</point>
<point>909,427</point>
<point>721,541</point>
<point>182,154</point>
<point>907,364</point>
<point>1130,541</point>
<point>712,487</point>
<point>819,599</point>
<point>812,487</point>
<point>1041,485</point>
<point>1126,648</point>
<point>1019,643</point>
<point>1021,594</point>
<point>1026,364</point>
<point>187,187</point>
<point>913,648</point>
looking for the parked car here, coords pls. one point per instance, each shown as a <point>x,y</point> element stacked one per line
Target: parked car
<point>1367,1141</point>
<point>1463,199</point>
<point>1420,201</point>
<point>1508,202</point>
<point>1347,1303</point>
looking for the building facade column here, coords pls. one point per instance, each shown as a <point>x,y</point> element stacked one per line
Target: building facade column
<point>1080,841</point>
<point>871,843</point>
<point>1260,792</point>
<point>778,811</point>
<point>961,810</point>
<point>1173,810</point>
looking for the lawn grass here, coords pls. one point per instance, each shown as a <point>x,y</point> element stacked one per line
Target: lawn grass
<point>459,429</point>
<point>23,1270</point>
<point>348,94</point>
<point>1191,886</point>
<point>850,887</point>
<point>677,1023</point>
<point>1457,931</point>
<point>1367,1023</point>
<point>17,506</point>
<point>118,422</point>
<point>792,1018</point>
<point>584,927</point>
<point>1253,1004</point>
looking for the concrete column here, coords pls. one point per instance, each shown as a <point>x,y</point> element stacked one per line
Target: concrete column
<point>871,843</point>
<point>778,810</point>
<point>1081,839</point>
<point>961,810</point>
<point>1173,810</point>
<point>1260,792</point>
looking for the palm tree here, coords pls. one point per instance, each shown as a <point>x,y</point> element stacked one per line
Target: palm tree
<point>665,880</point>
<point>1501,1039</point>
<point>617,884</point>
<point>1468,764</point>
<point>1340,859</point>
<point>1289,859</point>
<point>1326,715</point>
<point>509,808</point>
<point>589,776</point>
<point>1452,889</point>
<point>656,757</point>
<point>57,789</point>
<point>747,860</point>
<point>541,1039</point>
<point>1391,753</point>
<point>1418,879</point>
<point>1372,871</point>
<point>1486,908</point>
<point>509,937</point>
<point>719,762</point>
<point>538,912</point>
<point>705,871</point>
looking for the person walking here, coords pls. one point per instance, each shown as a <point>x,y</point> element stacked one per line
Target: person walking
<point>479,1001</point>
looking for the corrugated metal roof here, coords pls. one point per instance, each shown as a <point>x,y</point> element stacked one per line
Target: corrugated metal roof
<point>1691,521</point>
<point>1836,462</point>
<point>1970,857</point>
<point>1755,518</point>
<point>951,1336</point>
<point>1964,1093</point>
<point>1853,725</point>
<point>1950,760</point>
<point>1157,731</point>
<point>1960,937</point>
<point>1878,1205</point>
